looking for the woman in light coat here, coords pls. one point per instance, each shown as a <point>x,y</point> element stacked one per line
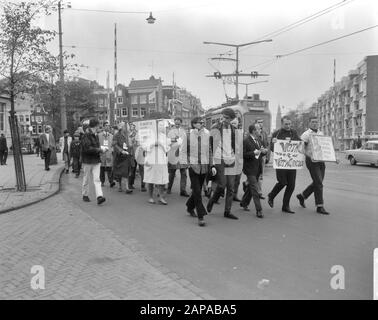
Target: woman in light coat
<point>156,163</point>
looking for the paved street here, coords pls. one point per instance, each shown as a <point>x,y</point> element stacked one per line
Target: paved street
<point>229,258</point>
<point>129,249</point>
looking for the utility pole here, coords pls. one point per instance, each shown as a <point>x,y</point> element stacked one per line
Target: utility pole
<point>62,97</point>
<point>114,106</point>
<point>237,74</point>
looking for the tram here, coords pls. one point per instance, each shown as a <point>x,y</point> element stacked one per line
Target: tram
<point>247,110</point>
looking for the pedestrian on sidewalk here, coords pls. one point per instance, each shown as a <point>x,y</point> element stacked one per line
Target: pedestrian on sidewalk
<point>253,153</point>
<point>122,157</point>
<point>90,153</point>
<point>222,141</point>
<point>285,177</point>
<point>47,141</point>
<point>196,154</point>
<point>65,146</point>
<point>3,149</point>
<point>76,154</point>
<point>316,169</point>
<point>176,134</point>
<point>106,139</point>
<point>139,158</point>
<point>156,163</point>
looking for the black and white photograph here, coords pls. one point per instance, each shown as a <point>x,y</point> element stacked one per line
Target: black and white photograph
<point>203,151</point>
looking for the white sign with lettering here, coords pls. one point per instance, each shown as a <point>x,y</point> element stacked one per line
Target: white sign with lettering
<point>288,155</point>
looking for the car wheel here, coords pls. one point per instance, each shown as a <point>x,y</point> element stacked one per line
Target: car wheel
<point>352,160</point>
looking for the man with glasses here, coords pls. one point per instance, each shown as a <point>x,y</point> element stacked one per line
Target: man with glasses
<point>222,142</point>
<point>196,153</point>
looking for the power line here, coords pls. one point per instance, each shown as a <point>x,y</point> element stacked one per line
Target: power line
<point>304,20</point>
<point>325,42</point>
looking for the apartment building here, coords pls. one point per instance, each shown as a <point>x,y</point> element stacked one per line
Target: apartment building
<point>350,108</point>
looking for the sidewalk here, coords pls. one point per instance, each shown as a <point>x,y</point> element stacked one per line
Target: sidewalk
<point>40,184</point>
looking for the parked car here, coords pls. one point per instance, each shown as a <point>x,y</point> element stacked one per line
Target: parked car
<point>368,153</point>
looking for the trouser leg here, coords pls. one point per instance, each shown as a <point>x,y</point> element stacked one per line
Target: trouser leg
<point>85,185</point>
<point>230,182</point>
<point>291,176</point>
<point>96,179</point>
<point>171,177</point>
<point>252,193</point>
<point>102,174</point>
<point>195,199</point>
<point>236,185</point>
<point>183,179</point>
<point>220,183</point>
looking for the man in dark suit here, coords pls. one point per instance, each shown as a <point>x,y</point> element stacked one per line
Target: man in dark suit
<point>47,142</point>
<point>3,149</point>
<point>253,153</point>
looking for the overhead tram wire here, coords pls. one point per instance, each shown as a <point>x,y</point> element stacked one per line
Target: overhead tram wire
<point>303,20</point>
<point>326,42</point>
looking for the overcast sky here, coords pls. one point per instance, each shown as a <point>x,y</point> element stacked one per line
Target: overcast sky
<point>174,44</point>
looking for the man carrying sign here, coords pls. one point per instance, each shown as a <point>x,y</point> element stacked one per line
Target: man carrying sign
<point>317,170</point>
<point>285,177</point>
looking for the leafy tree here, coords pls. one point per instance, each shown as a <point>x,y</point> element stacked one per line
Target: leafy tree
<point>24,58</point>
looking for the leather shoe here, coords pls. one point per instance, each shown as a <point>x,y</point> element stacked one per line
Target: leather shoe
<point>86,199</point>
<point>259,214</point>
<point>270,202</point>
<point>230,216</point>
<point>288,210</point>
<point>184,194</point>
<point>128,191</point>
<point>191,212</point>
<point>201,222</point>
<point>236,199</point>
<point>321,210</point>
<point>261,197</point>
<point>301,200</point>
<point>209,206</point>
<point>100,200</point>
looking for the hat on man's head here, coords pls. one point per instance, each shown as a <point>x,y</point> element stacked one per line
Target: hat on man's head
<point>228,112</point>
<point>66,131</point>
<point>76,134</point>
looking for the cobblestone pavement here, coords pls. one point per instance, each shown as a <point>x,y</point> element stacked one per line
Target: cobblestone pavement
<point>40,184</point>
<point>81,259</point>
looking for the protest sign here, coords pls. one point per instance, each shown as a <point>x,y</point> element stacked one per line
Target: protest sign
<point>146,132</point>
<point>322,148</point>
<point>288,155</point>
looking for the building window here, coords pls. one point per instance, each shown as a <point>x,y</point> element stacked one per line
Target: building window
<point>134,99</point>
<point>135,112</point>
<point>143,99</point>
<point>27,118</point>
<point>124,112</point>
<point>119,93</point>
<point>142,112</point>
<point>152,110</point>
<point>119,100</point>
<point>118,112</point>
<point>2,116</point>
<point>34,130</point>
<point>21,118</point>
<point>39,129</point>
